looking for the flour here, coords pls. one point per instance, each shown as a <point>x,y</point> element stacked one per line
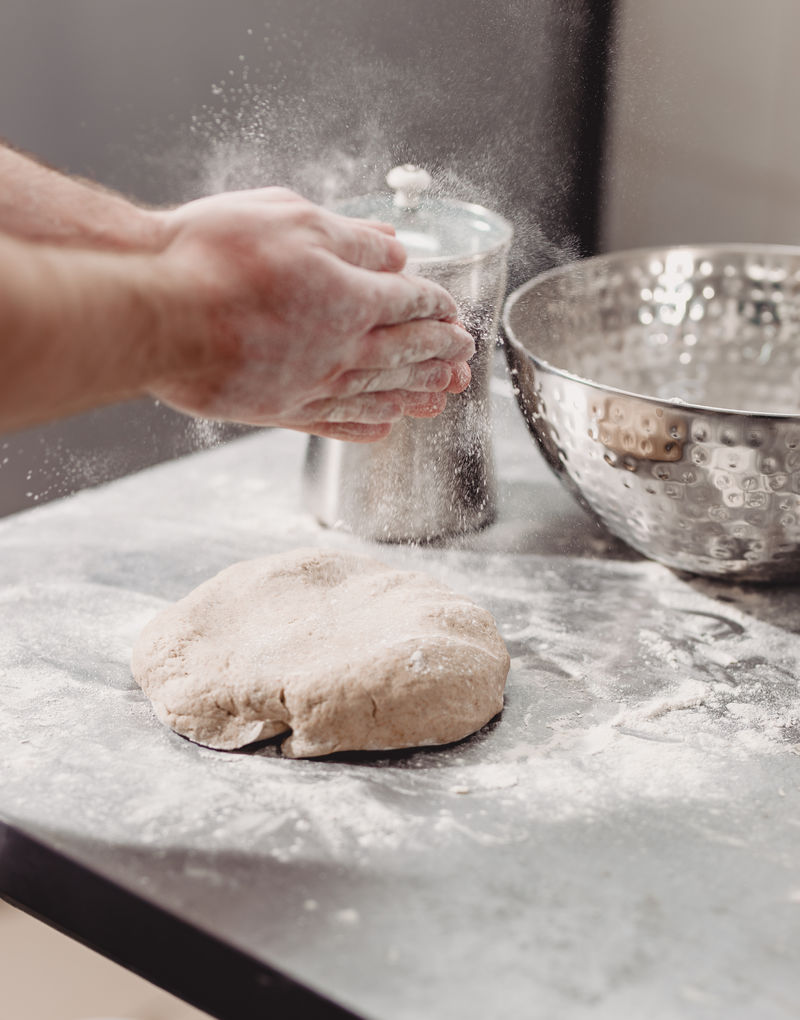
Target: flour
<point>630,688</point>
<point>689,694</point>
<point>347,916</point>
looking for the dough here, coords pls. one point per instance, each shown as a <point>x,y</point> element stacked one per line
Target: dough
<point>339,650</point>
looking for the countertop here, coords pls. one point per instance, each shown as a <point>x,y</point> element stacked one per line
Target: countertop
<point>622,841</point>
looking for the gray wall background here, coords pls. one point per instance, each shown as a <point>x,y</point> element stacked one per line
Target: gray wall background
<point>705,134</point>
<point>169,100</point>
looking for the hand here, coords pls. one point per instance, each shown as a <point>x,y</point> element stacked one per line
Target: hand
<point>295,316</point>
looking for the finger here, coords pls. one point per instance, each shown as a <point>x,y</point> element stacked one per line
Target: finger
<point>462,377</point>
<point>433,404</point>
<point>399,297</point>
<point>377,408</point>
<point>432,376</point>
<point>360,244</point>
<point>353,432</point>
<point>412,342</point>
<point>384,228</point>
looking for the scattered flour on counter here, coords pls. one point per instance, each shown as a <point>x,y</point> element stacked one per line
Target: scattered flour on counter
<point>688,694</point>
<point>493,790</point>
<point>606,710</point>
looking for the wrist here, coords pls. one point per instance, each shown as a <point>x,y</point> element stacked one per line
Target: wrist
<point>187,336</point>
<point>127,228</point>
<point>59,357</point>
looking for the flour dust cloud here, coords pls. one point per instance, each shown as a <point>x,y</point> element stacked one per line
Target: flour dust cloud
<point>327,107</point>
<point>325,98</point>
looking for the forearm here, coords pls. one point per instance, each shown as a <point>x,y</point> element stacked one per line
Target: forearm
<point>77,330</point>
<point>260,307</point>
<point>40,204</point>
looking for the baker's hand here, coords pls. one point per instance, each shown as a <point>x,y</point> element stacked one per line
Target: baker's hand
<point>298,317</point>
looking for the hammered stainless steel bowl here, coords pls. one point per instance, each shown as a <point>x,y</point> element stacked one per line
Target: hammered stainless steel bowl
<point>663,386</point>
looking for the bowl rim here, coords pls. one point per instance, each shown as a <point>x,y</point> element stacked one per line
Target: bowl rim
<point>629,254</point>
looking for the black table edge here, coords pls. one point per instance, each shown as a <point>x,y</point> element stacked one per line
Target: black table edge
<point>147,940</point>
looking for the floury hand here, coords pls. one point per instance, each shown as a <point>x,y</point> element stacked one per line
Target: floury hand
<point>298,317</point>
<point>252,306</point>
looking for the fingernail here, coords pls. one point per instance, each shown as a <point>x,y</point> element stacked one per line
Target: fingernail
<point>462,376</point>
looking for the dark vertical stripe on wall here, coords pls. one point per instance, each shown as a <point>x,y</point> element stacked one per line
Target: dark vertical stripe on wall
<point>593,116</point>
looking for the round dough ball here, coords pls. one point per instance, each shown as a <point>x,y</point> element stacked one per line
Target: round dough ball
<point>339,650</point>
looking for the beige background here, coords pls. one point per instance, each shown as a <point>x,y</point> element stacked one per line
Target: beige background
<point>705,133</point>
<point>46,976</point>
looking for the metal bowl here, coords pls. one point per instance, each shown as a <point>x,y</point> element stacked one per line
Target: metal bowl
<point>663,386</point>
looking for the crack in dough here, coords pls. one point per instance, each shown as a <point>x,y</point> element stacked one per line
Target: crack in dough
<point>336,650</point>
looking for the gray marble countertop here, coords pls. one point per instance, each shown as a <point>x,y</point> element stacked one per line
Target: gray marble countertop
<point>622,841</point>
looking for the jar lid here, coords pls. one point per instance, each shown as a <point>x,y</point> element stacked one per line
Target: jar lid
<point>431,229</point>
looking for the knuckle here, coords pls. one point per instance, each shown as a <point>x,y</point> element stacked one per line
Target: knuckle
<point>381,344</point>
<point>308,215</point>
<point>393,252</point>
<point>352,383</point>
<point>361,312</point>
<point>438,375</point>
<point>393,407</point>
<point>279,193</point>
